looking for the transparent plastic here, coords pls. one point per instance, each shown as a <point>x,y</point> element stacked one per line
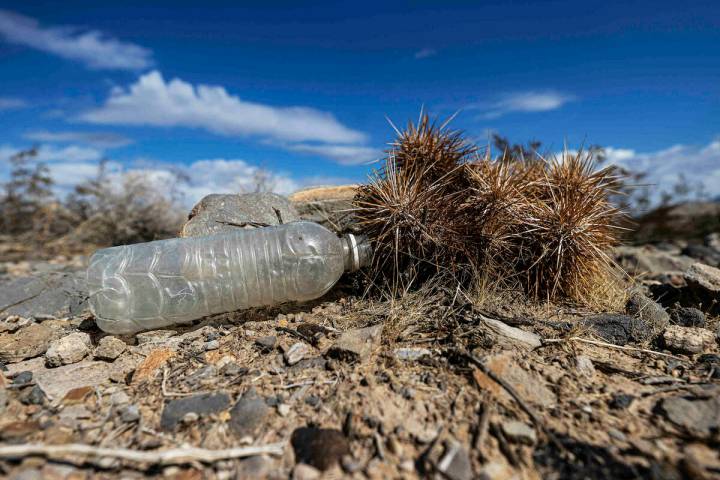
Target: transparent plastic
<point>167,282</point>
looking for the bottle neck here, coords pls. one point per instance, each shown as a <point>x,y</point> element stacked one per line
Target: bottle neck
<point>358,253</point>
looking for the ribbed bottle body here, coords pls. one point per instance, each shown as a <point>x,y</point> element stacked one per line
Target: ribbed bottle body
<point>167,282</point>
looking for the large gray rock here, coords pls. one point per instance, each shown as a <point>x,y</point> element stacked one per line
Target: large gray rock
<point>49,294</point>
<point>705,277</point>
<point>223,212</point>
<point>329,206</point>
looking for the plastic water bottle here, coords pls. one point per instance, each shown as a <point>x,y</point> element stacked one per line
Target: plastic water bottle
<point>166,282</point>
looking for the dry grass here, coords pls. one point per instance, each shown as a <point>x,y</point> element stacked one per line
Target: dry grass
<point>440,210</point>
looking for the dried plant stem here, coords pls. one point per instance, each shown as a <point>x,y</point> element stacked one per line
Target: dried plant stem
<point>610,345</point>
<point>175,456</point>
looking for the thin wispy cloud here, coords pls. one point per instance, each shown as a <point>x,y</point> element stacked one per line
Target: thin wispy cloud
<point>342,154</point>
<point>523,102</point>
<point>90,47</point>
<point>96,139</point>
<point>425,53</point>
<point>9,103</point>
<point>52,153</point>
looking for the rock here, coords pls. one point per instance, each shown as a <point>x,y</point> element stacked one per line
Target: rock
<point>700,462</point>
<point>519,432</point>
<point>704,277</point>
<point>57,382</point>
<point>411,354</point>
<point>46,294</point>
<point>652,316</point>
<point>27,342</point>
<point>531,387</point>
<point>35,396</point>
<point>612,328</point>
<point>712,240</point>
<point>511,336</point>
<point>687,317</point>
<point>455,463</point>
<point>703,253</point>
<point>296,352</point>
<point>77,395</point>
<point>109,348</point>
<point>698,417</point>
<point>648,259</point>
<point>119,398</point>
<point>154,336</point>
<point>212,345</point>
<point>266,344</point>
<point>322,448</point>
<point>155,359</point>
<point>302,471</point>
<point>68,349</point>
<point>584,366</point>
<point>688,339</point>
<point>129,413</point>
<point>23,378</point>
<point>248,414</point>
<point>329,206</point>
<point>202,404</point>
<point>357,344</point>
<point>226,212</point>
<point>711,364</point>
<point>621,401</point>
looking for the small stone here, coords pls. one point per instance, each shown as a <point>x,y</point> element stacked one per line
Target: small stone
<point>154,336</point>
<point>688,339</point>
<point>519,432</point>
<point>28,342</point>
<point>201,404</point>
<point>109,348</point>
<point>296,353</point>
<point>584,366</point>
<point>23,378</point>
<point>283,409</point>
<point>455,463</point>
<point>687,317</point>
<point>530,387</point>
<point>612,328</point>
<point>77,395</point>
<point>155,359</point>
<point>621,401</point>
<point>68,349</point>
<point>119,398</point>
<point>248,414</point>
<point>357,344</point>
<point>190,417</point>
<point>312,400</point>
<point>320,447</point>
<point>411,354</point>
<point>303,471</point>
<point>212,345</point>
<point>232,369</point>
<point>699,417</point>
<point>35,396</point>
<point>129,413</point>
<point>266,344</point>
<point>651,316</point>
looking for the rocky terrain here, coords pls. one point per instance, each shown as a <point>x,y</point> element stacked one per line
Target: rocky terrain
<point>357,387</point>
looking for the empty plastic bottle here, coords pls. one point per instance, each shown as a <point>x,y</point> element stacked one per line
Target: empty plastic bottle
<point>167,282</point>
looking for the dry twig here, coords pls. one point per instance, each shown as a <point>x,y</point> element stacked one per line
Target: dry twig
<point>610,345</point>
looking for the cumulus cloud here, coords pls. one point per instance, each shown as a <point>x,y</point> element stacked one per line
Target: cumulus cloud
<point>524,102</point>
<point>96,139</point>
<point>9,103</point>
<point>176,103</point>
<point>90,47</point>
<point>425,53</point>
<point>700,166</point>
<point>342,154</point>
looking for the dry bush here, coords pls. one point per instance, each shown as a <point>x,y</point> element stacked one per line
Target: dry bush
<point>439,209</point>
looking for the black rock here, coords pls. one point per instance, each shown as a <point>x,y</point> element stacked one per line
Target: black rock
<point>711,363</point>
<point>687,317</point>
<point>203,404</point>
<point>35,396</point>
<point>613,328</point>
<point>23,378</point>
<point>621,401</point>
<point>312,400</point>
<point>232,369</point>
<point>248,414</point>
<point>320,447</point>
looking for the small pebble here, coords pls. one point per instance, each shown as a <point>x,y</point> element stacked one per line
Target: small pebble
<point>129,413</point>
<point>22,378</point>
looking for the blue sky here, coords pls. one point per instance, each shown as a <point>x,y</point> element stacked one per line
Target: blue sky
<point>221,89</point>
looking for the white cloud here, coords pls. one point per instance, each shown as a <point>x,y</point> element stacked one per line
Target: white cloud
<point>51,153</point>
<point>9,103</point>
<point>96,139</point>
<point>342,154</point>
<point>153,101</point>
<point>91,47</point>
<point>425,53</point>
<point>524,102</point>
<point>700,166</point>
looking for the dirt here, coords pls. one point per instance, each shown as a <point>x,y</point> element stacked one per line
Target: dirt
<point>440,394</point>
